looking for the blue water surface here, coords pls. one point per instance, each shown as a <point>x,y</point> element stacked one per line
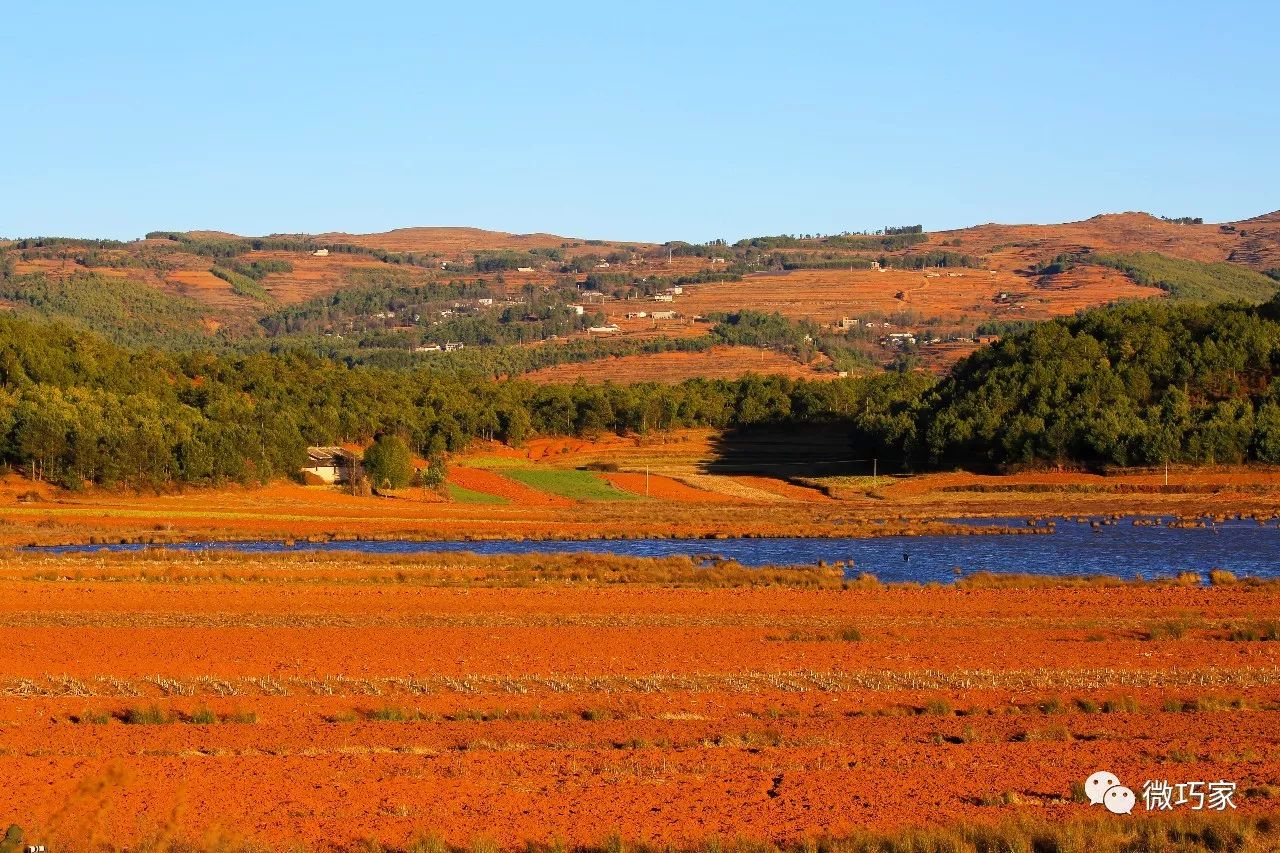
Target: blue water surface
<point>1245,548</point>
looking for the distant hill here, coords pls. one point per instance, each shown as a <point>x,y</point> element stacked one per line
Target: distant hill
<point>383,296</point>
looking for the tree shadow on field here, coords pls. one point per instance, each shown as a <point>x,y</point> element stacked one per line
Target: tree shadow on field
<point>810,450</point>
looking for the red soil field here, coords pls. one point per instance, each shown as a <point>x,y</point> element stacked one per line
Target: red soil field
<point>328,713</point>
<point>664,488</point>
<point>826,296</point>
<point>722,362</point>
<point>493,483</point>
<point>1115,232</point>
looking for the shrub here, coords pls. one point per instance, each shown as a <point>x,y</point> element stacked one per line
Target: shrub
<point>390,714</point>
<point>202,717</point>
<point>97,718</point>
<point>152,716</point>
<point>1221,577</point>
<point>1173,629</point>
<point>1121,705</point>
<point>388,463</point>
<point>1262,631</point>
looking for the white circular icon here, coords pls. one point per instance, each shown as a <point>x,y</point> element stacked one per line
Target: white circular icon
<point>1095,787</point>
<point>1119,799</point>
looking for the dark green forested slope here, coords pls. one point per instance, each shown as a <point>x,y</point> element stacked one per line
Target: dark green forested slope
<point>127,311</point>
<point>76,408</point>
<point>1192,281</point>
<point>1135,384</point>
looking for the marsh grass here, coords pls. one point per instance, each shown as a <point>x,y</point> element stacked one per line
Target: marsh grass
<point>94,718</point>
<point>201,717</point>
<point>1121,705</point>
<point>1169,629</point>
<point>395,714</point>
<point>151,715</point>
<point>1256,631</point>
<point>847,634</point>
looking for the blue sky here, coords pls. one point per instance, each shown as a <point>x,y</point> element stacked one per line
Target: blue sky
<point>631,121</point>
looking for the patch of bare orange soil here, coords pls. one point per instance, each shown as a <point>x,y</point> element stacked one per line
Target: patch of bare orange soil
<point>727,362</point>
<point>663,488</point>
<point>493,483</point>
<point>386,710</point>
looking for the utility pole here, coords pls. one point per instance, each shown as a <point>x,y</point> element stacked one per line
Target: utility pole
<point>1166,472</point>
<point>646,481</point>
<point>875,471</point>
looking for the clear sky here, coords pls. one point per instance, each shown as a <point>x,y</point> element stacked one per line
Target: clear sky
<point>646,121</point>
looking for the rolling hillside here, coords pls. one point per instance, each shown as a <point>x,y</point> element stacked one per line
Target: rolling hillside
<point>906,296</point>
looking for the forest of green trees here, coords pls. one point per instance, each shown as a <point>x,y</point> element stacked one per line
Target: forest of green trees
<point>75,408</point>
<point>1137,384</point>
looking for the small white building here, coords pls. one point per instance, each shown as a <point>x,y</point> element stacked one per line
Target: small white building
<point>427,348</point>
<point>485,301</point>
<point>636,315</point>
<point>663,297</point>
<point>577,310</point>
<point>450,347</point>
<point>524,269</point>
<point>604,330</point>
<point>321,253</point>
<point>329,466</point>
<point>663,315</point>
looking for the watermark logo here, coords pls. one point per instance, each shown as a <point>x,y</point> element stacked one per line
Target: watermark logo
<point>1096,786</point>
<point>1103,788</point>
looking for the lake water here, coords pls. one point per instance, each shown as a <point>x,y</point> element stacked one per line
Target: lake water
<point>1245,548</point>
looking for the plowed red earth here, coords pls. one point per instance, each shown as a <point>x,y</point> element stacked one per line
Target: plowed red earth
<point>664,488</point>
<point>492,483</point>
<point>572,712</point>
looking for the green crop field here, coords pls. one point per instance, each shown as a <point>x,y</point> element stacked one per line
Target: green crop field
<point>578,485</point>
<point>469,496</point>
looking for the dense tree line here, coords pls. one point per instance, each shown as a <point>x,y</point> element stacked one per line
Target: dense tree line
<point>369,293</point>
<point>75,408</point>
<point>1137,384</point>
<point>128,311</point>
<point>65,243</point>
<point>492,361</point>
<point>1191,280</point>
<point>241,284</point>
<point>936,258</point>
